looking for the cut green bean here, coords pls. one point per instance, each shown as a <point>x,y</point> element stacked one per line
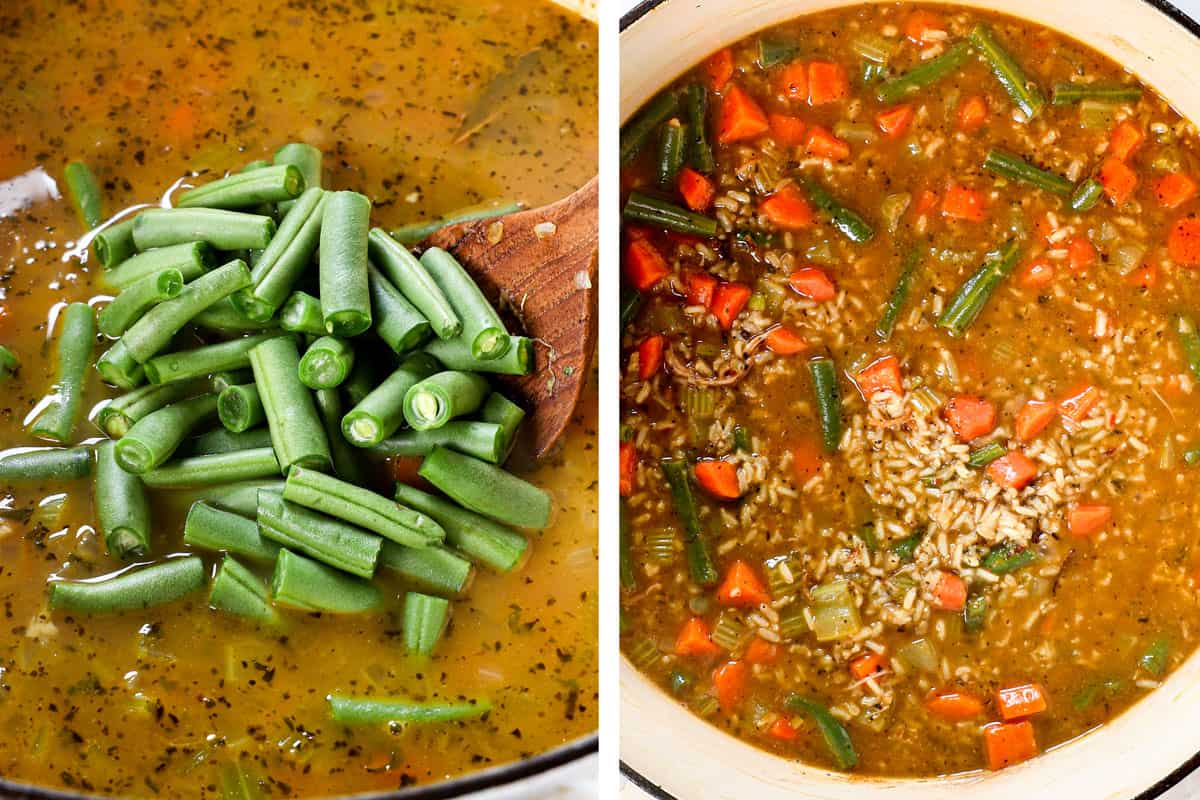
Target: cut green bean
<point>985,455</point>
<point>225,317</point>
<point>456,354</point>
<point>76,339</point>
<point>625,564</point>
<point>433,568</point>
<point>211,528</point>
<point>326,363</point>
<point>302,314</point>
<point>700,154</point>
<point>772,52</point>
<point>272,184</point>
<point>345,292</point>
<point>224,230</point>
<point>154,438</point>
<point>636,132</point>
<point>481,325</point>
<point>505,413</point>
<point>641,207</point>
<point>899,296</point>
<point>362,381</point>
<point>415,232</point>
<point>442,397</point>
<point>239,498</point>
<point>381,412</point>
<point>296,430</point>
<point>118,367</point>
<point>700,566</point>
<point>214,468</point>
<point>183,365</point>
<point>328,540</point>
<point>1067,93</point>
<point>475,536</point>
<point>406,273</point>
<point>672,151</point>
<point>631,303</point>
<point>971,297</point>
<point>137,589</point>
<point>485,440</point>
<point>136,299</point>
<point>225,441</point>
<point>1086,195</point>
<point>1007,557</point>
<point>1189,342</point>
<point>45,463</point>
<point>240,408</point>
<point>397,322</point>
<point>119,414</point>
<point>307,159</point>
<point>829,401</point>
<point>844,219</point>
<point>192,259</point>
<point>975,613</point>
<point>85,193</point>
<point>896,89</point>
<point>841,746</point>
<point>425,619</point>
<point>1024,92</point>
<point>114,243</point>
<point>362,507</point>
<point>401,711</point>
<point>487,489</point>
<point>308,585</point>
<point>347,464</point>
<point>239,591</point>
<point>1011,166</point>
<point>121,506</point>
<point>285,259</point>
<point>9,363</point>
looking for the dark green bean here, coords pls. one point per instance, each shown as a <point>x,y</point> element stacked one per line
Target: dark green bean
<point>362,381</point>
<point>899,296</point>
<point>239,591</point>
<point>700,153</point>
<point>224,230</point>
<point>361,507</point>
<point>302,314</point>
<point>285,259</point>
<point>205,360</point>
<point>206,470</point>
<point>636,132</point>
<point>971,297</point>
<point>296,430</point>
<point>829,401</point>
<point>114,243</point>
<point>192,259</point>
<point>85,193</point>
<point>155,437</point>
<point>326,363</point>
<point>308,585</point>
<point>76,339</point>
<point>985,455</point>
<point>211,528</point>
<point>486,489</point>
<point>441,397</point>
<point>45,463</point>
<point>1024,92</point>
<point>631,303</point>
<point>133,301</point>
<point>240,408</point>
<point>345,292</point>
<point>238,498</point>
<point>121,506</point>
<point>1013,167</point>
<point>641,207</point>
<point>484,440</point>
<point>840,745</point>
<point>307,159</point>
<point>1066,93</point>
<point>672,150</point>
<point>475,536</point>
<point>137,589</point>
<point>899,87</point>
<point>225,317</point>
<point>116,417</point>
<point>330,541</point>
<point>406,273</point>
<point>9,363</point>
<point>246,189</point>
<point>433,568</point>
<point>397,322</point>
<point>481,325</point>
<point>1086,195</point>
<point>700,566</point>
<point>425,619</point>
<point>975,613</point>
<point>117,366</point>
<point>846,220</point>
<point>381,412</point>
<point>347,463</point>
<point>221,440</point>
<point>1008,557</point>
<point>456,354</point>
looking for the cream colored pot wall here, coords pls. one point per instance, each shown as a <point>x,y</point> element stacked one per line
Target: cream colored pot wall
<point>691,759</point>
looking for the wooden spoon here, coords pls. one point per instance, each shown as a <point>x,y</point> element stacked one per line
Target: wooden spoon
<point>539,267</point>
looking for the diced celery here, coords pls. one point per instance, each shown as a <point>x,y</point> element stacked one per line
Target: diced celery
<point>835,614</point>
<point>1096,114</point>
<point>854,131</point>
<point>893,208</point>
<point>792,623</point>
<point>659,546</point>
<point>874,47</point>
<point>729,631</point>
<point>919,654</point>
<point>926,400</point>
<point>777,569</point>
<point>643,654</point>
<point>772,295</point>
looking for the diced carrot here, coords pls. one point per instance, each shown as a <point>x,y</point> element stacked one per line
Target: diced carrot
<point>881,375</point>
<point>1044,228</point>
<point>1018,702</point>
<point>719,68</point>
<point>627,462</point>
<point>1183,243</point>
<point>787,130</point>
<point>650,356</point>
<point>918,22</point>
<point>807,458</point>
<point>1033,418</point>
<point>1143,277</point>
<point>719,478</point>
<point>970,417</point>
<point>700,289</point>
<point>1086,519</point>
<point>1124,139</point>
<point>1118,180</point>
<point>741,117</point>
<point>695,189</point>
<point>1008,743</point>
<point>813,283</point>
<point>694,639</point>
<point>181,124</point>
<point>782,730</point>
<point>972,113</point>
<point>1174,190</point>
<point>822,143</point>
<point>788,208</point>
<point>760,651</point>
<point>1081,254</point>
<point>950,592</point>
<point>792,81</point>
<point>729,680</point>
<point>783,341</point>
<point>894,121</point>
<point>827,83</point>
<point>866,665</point>
<point>927,200</point>
<point>1013,470</point>
<point>963,202</point>
<point>955,705</point>
<point>742,586</point>
<point>1036,274</point>
<point>728,301</point>
<point>644,265</point>
<point>403,469</point>
<point>1079,401</point>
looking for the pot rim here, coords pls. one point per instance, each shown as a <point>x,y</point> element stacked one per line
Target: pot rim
<point>1191,764</point>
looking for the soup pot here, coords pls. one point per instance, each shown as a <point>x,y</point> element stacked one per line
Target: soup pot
<point>672,754</point>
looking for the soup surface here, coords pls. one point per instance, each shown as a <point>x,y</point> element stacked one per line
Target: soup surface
<point>160,703</point>
<point>909,397</point>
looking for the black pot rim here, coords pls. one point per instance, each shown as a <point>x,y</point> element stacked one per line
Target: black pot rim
<point>1189,766</point>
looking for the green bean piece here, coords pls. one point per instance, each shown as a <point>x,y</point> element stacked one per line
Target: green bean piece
<point>214,468</point>
<point>1191,456</point>
<point>1008,557</point>
<point>345,293</point>
<point>1024,92</point>
<point>481,325</point>
<point>1011,166</point>
<point>1086,195</point>
<point>285,258</point>
<point>700,154</point>
<point>240,499</point>
<point>1156,657</point>
<point>906,549</point>
<point>975,613</point>
<point>246,189</point>
<point>381,412</point>
<point>641,207</point>
<point>9,363</point>
<point>302,314</point>
<point>224,316</point>
<point>137,589</point>
<point>672,151</point>
<point>211,528</point>
<point>154,438</point>
<point>397,321</point>
<point>433,568</point>
<point>328,540</point>
<point>625,552</point>
<point>406,273</point>
<point>485,440</point>
<point>307,159</point>
<point>772,52</point>
<point>222,440</point>
<point>118,367</point>
<point>829,401</point>
<point>121,506</point>
<point>135,300</point>
<point>442,397</point>
<point>475,536</point>
<point>631,303</point>
<point>636,132</point>
<point>308,585</point>
<point>45,463</point>
<point>985,455</point>
<point>347,464</point>
<point>362,381</point>
<point>362,507</point>
<point>866,532</point>
<point>119,414</point>
<point>414,232</point>
<point>845,220</point>
<point>899,296</point>
<point>505,413</point>
<point>401,711</point>
<point>326,363</point>
<point>192,259</point>
<point>296,430</point>
<point>113,243</point>
<point>184,365</point>
<point>240,408</point>
<point>840,745</point>
<point>896,89</point>
<point>456,354</point>
<point>76,339</point>
<point>1086,696</point>
<point>224,230</point>
<point>85,193</point>
<point>486,489</point>
<point>700,566</point>
<point>973,295</point>
<point>1189,342</point>
<point>239,591</point>
<point>425,619</point>
<point>1067,93</point>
